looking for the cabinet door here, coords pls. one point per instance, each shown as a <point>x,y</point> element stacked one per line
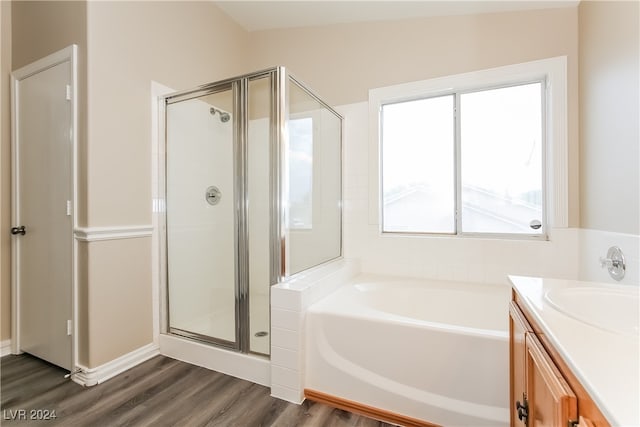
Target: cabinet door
<point>551,402</point>
<point>583,422</point>
<point>518,328</point>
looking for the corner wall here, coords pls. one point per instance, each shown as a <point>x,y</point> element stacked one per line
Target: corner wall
<point>180,45</point>
<point>609,136</point>
<point>609,116</point>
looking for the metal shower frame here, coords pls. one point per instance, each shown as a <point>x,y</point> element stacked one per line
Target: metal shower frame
<point>278,143</point>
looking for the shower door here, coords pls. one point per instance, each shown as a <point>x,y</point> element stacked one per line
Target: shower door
<point>220,215</point>
<point>202,216</point>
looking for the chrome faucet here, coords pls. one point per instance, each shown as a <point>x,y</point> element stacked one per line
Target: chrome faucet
<point>614,262</point>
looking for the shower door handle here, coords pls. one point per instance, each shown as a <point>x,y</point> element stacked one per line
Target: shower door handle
<point>19,230</point>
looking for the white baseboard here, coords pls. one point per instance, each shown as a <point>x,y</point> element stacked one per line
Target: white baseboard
<point>91,376</point>
<point>5,348</point>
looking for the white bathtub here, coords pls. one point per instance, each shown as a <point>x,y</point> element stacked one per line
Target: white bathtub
<point>436,351</point>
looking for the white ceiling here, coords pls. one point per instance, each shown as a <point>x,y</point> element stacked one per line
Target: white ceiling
<point>266,14</point>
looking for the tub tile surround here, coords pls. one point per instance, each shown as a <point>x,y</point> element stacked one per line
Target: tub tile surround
<point>477,260</point>
<point>289,301</point>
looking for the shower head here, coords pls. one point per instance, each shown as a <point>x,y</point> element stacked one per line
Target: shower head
<point>224,116</point>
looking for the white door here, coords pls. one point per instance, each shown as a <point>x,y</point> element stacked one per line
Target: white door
<point>43,193</point>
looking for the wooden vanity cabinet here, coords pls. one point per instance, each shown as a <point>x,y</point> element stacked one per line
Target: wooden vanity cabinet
<point>543,391</point>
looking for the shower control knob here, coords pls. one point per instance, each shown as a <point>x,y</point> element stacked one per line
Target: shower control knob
<point>213,195</point>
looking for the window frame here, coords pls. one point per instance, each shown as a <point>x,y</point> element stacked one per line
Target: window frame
<point>551,73</point>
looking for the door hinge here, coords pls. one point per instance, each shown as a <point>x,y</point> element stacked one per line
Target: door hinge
<point>68,96</point>
<point>69,328</point>
<point>523,409</point>
<point>68,207</point>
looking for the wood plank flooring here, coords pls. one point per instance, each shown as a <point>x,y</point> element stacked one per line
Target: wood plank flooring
<point>159,392</point>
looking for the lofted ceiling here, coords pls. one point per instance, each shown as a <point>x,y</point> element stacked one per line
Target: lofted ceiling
<point>267,15</point>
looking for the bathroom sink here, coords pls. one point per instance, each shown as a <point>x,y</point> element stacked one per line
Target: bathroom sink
<point>612,309</point>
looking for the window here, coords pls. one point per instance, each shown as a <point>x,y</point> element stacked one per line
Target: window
<point>501,154</point>
<point>472,158</point>
<point>418,166</point>
<point>483,153</point>
<point>467,162</point>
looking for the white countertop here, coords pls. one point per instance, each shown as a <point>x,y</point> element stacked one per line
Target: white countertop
<point>606,363</point>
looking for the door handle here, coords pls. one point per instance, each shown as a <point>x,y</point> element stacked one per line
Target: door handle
<point>19,230</point>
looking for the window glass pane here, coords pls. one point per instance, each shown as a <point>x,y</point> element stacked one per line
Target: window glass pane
<point>501,159</point>
<point>418,166</point>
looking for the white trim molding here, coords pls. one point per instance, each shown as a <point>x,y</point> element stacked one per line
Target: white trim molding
<point>94,234</point>
<point>5,348</point>
<point>92,376</point>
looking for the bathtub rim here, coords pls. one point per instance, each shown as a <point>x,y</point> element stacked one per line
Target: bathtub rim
<point>369,313</point>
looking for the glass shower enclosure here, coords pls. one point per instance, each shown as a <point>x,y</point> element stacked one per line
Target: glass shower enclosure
<point>252,195</point>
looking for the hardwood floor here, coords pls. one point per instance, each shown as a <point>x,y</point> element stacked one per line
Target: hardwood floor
<point>159,392</point>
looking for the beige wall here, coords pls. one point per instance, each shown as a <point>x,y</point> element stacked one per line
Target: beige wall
<point>609,116</point>
<point>178,44</point>
<point>342,62</point>
<point>5,171</point>
<point>118,300</point>
<point>43,27</point>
